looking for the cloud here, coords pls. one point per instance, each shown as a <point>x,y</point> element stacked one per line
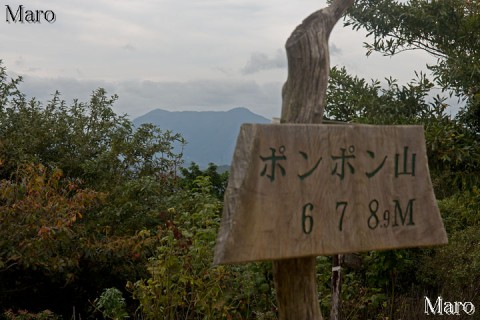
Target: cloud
<point>334,50</point>
<point>70,88</point>
<point>137,97</point>
<point>20,61</point>
<point>259,61</point>
<point>129,47</point>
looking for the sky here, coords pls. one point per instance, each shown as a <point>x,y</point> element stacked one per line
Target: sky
<point>175,54</point>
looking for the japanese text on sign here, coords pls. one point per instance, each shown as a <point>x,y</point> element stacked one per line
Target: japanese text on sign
<point>339,165</point>
<point>305,190</point>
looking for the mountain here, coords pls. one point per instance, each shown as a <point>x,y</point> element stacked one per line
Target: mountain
<point>210,135</point>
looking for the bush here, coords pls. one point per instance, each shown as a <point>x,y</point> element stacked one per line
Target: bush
<point>183,284</point>
<point>112,304</point>
<point>25,315</point>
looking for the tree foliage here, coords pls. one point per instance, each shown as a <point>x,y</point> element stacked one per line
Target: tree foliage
<point>218,180</point>
<point>384,285</point>
<point>448,30</point>
<point>350,98</point>
<point>453,150</point>
<point>90,203</point>
<point>83,193</point>
<point>40,211</point>
<point>87,140</point>
<point>183,284</point>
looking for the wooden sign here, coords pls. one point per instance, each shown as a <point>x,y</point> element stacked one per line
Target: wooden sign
<point>300,190</point>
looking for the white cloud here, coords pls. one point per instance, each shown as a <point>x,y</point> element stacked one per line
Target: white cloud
<point>137,97</point>
<point>259,61</point>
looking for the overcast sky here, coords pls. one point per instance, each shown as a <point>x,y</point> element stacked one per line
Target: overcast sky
<point>175,54</point>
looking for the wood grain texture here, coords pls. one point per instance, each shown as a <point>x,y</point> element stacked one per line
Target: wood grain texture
<point>309,64</point>
<point>296,287</point>
<point>333,189</point>
<point>303,101</point>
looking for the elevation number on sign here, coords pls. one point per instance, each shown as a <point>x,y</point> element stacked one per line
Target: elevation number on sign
<point>402,215</point>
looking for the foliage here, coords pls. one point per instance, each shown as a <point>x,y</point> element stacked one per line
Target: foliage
<point>388,284</point>
<point>445,29</point>
<point>112,304</point>
<point>384,286</point>
<point>46,247</point>
<point>453,150</point>
<point>183,284</point>
<point>372,289</point>
<point>350,98</point>
<point>82,195</point>
<point>218,180</point>
<point>38,213</point>
<point>453,271</point>
<point>461,210</point>
<point>25,315</point>
<point>86,140</point>
<point>456,266</point>
<point>139,215</point>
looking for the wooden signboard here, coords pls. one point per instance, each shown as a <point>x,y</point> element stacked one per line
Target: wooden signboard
<point>299,190</point>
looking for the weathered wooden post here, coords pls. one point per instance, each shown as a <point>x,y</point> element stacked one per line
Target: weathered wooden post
<point>309,65</point>
<point>303,99</point>
<point>299,189</point>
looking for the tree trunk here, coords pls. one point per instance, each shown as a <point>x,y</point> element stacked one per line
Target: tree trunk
<point>304,102</point>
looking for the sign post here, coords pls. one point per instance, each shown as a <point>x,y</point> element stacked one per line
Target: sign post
<point>299,189</point>
<point>308,190</point>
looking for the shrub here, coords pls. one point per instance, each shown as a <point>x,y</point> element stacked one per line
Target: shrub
<point>183,284</point>
<point>112,304</point>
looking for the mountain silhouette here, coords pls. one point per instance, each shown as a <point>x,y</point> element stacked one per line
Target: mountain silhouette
<point>210,135</point>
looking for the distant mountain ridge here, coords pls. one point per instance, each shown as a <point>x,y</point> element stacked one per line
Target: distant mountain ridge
<point>210,135</point>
